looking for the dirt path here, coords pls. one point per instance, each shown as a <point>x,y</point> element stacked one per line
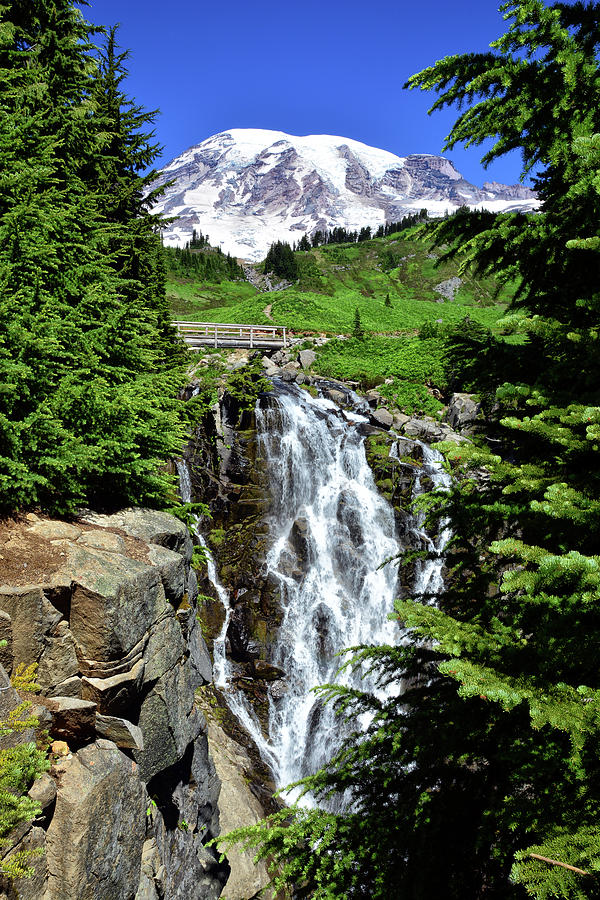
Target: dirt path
<point>267,311</point>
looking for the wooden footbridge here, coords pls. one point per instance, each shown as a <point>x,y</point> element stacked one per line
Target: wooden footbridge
<point>213,334</point>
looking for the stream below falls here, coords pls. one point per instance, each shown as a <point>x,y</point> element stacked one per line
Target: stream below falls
<point>331,533</point>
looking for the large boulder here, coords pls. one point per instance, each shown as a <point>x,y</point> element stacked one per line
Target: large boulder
<point>463,412</point>
<point>238,806</point>
<point>307,358</point>
<point>168,722</point>
<point>95,839</point>
<point>148,525</point>
<point>114,600</point>
<point>32,618</point>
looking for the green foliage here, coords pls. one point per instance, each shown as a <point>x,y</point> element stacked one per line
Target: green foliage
<point>244,386</point>
<point>19,766</point>
<point>492,754</point>
<point>203,263</point>
<point>88,353</point>
<point>281,261</point>
<point>357,329</point>
<point>335,279</point>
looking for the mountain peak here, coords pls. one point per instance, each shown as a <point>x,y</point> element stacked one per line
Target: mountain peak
<point>248,187</point>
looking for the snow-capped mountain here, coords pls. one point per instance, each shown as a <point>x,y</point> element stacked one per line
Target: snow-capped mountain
<point>247,188</point>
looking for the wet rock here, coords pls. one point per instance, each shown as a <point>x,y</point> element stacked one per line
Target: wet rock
<point>200,660</point>
<point>299,540</point>
<point>266,671</point>
<point>409,450</point>
<point>336,396</point>
<point>242,644</point>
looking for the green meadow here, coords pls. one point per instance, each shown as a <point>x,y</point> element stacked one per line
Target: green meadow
<point>392,283</point>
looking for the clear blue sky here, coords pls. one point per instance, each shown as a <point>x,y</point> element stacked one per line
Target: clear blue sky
<point>310,67</point>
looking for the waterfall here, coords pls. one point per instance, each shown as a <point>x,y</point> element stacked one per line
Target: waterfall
<point>332,532</point>
<point>429,579</point>
<point>331,535</point>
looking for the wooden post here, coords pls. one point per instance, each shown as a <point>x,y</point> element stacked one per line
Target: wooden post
<point>251,337</point>
<point>284,338</point>
<point>216,344</point>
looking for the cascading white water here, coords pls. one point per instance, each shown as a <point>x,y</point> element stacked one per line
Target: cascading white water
<point>222,669</point>
<point>429,580</point>
<point>331,532</point>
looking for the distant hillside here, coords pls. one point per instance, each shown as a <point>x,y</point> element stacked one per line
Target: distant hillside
<point>395,282</point>
<point>249,188</point>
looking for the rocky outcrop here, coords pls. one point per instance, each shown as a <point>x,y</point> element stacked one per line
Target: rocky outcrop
<point>128,808</point>
<point>463,412</point>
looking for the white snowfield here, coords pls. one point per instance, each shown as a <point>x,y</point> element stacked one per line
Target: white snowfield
<point>247,188</point>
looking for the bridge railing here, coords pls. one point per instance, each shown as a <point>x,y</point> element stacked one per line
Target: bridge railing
<point>205,333</point>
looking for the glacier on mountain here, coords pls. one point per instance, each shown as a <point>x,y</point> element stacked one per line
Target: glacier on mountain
<point>247,188</point>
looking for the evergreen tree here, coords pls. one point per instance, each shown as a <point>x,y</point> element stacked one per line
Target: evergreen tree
<point>280,260</point>
<point>491,759</point>
<point>357,329</point>
<point>87,411</point>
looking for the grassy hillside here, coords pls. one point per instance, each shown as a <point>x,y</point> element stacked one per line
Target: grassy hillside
<point>338,278</point>
<point>403,334</point>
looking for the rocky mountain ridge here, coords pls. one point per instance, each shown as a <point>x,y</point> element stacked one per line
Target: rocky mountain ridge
<point>247,188</point>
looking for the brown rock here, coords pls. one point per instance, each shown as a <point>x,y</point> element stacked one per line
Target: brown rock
<point>32,616</point>
<point>72,719</point>
<point>116,694</point>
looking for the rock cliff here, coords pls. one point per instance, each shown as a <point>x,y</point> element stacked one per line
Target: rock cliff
<point>106,606</point>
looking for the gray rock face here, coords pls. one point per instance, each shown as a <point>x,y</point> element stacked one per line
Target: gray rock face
<point>121,732</point>
<point>307,358</point>
<point>94,851</point>
<point>462,413</point>
<point>119,655</point>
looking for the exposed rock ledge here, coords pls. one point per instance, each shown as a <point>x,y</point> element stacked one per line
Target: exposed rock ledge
<point>110,619</point>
